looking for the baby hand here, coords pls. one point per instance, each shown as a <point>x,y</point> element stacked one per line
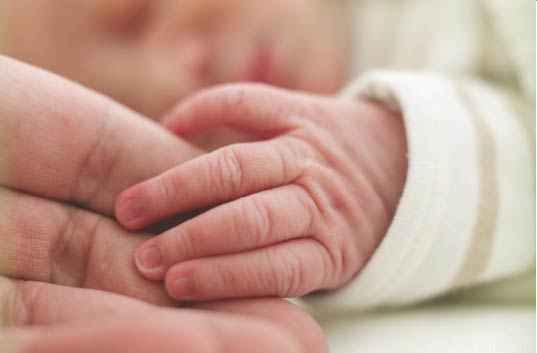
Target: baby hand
<point>300,209</point>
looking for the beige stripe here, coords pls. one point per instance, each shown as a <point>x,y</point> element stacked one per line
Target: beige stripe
<point>480,249</point>
<point>524,115</point>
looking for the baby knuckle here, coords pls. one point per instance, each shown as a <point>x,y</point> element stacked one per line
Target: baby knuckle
<point>332,261</point>
<point>329,199</point>
<point>256,219</point>
<point>169,189</point>
<point>311,214</point>
<point>230,281</point>
<point>314,198</point>
<point>317,170</point>
<point>351,262</point>
<point>290,281</point>
<point>324,147</point>
<point>180,243</point>
<point>228,176</point>
<point>287,160</point>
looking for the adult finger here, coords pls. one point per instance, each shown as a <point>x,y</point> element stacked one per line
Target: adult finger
<point>36,303</point>
<point>289,269</point>
<point>43,240</point>
<point>163,331</point>
<point>225,174</point>
<point>62,141</point>
<point>281,312</point>
<point>255,221</point>
<point>27,303</point>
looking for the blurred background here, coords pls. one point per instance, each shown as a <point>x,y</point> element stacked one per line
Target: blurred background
<point>148,54</point>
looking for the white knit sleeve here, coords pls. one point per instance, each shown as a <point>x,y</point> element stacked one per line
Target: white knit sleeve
<point>466,215</point>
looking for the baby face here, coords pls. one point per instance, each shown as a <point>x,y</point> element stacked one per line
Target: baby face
<point>149,53</point>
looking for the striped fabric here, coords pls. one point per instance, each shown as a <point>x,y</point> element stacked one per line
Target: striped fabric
<point>462,73</point>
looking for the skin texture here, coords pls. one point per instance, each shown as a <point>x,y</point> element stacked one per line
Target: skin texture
<point>300,209</point>
<point>149,53</point>
<point>65,154</point>
<point>49,318</point>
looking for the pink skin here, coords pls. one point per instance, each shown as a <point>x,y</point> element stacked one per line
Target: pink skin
<point>61,143</point>
<point>300,209</point>
<point>147,54</point>
<point>42,317</point>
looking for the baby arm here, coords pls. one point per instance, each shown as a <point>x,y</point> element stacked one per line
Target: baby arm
<point>299,210</point>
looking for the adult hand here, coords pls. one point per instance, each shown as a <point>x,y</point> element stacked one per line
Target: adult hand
<point>62,144</point>
<point>43,318</point>
<point>67,143</point>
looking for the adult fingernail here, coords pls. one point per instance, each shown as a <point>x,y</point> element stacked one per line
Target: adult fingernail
<point>182,288</point>
<point>150,259</point>
<point>131,210</point>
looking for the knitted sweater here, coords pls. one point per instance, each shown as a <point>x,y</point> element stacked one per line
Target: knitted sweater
<point>462,73</point>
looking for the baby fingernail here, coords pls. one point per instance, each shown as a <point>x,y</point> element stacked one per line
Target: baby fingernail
<point>182,288</point>
<point>150,258</point>
<point>132,210</point>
